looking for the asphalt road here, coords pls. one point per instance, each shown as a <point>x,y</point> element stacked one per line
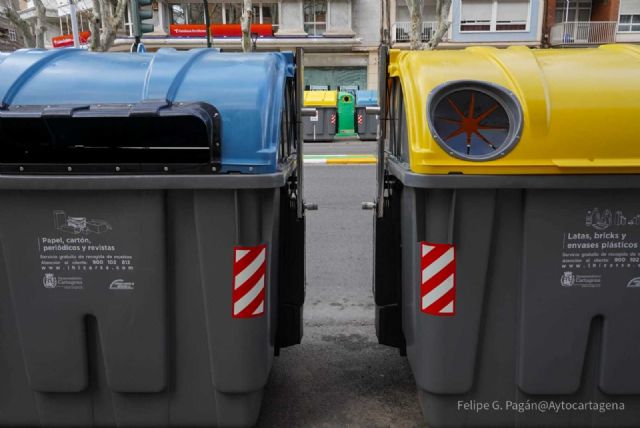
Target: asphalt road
<point>340,376</point>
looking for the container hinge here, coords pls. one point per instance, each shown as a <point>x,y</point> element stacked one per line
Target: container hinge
<point>149,108</point>
<point>62,110</point>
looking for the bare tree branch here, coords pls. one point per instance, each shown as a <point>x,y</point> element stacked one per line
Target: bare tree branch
<point>106,19</point>
<point>245,23</point>
<point>415,29</point>
<point>442,11</point>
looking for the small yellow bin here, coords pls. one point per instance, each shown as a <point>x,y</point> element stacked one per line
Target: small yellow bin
<point>320,98</point>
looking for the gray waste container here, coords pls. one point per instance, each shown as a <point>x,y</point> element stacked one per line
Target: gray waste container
<point>322,126</point>
<point>151,257</point>
<point>366,125</point>
<point>507,250</point>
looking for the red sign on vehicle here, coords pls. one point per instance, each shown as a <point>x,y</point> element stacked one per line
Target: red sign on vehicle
<point>66,40</point>
<point>438,279</point>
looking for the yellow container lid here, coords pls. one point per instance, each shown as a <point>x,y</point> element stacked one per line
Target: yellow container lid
<point>320,98</point>
<point>521,111</point>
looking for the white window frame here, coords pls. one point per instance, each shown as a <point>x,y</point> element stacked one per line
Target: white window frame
<point>493,23</point>
<point>631,24</point>
<point>13,35</point>
<point>315,23</point>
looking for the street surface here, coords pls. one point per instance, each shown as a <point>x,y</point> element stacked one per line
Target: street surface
<point>340,376</point>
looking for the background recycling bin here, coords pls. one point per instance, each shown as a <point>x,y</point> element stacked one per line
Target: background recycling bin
<point>152,255</point>
<point>346,115</point>
<point>322,126</point>
<point>508,240</point>
<point>366,125</point>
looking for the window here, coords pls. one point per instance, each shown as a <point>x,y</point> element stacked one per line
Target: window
<point>494,15</point>
<point>315,17</point>
<point>573,11</point>
<point>629,16</point>
<point>13,36</point>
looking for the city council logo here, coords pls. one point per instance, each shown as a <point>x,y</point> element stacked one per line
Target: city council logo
<point>568,279</point>
<point>49,280</point>
<point>121,284</point>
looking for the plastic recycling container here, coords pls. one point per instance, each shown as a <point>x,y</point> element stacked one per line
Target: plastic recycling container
<point>366,125</point>
<point>508,247</point>
<point>322,126</point>
<point>151,255</point>
<point>346,115</point>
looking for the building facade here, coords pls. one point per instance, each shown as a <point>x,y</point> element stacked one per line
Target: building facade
<point>9,38</point>
<point>589,22</point>
<point>525,22</point>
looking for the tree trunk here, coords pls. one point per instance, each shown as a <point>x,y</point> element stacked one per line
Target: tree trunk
<point>41,23</point>
<point>245,23</point>
<point>415,30</point>
<point>442,11</point>
<point>95,22</point>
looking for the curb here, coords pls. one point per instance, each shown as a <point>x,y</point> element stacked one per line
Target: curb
<point>339,159</point>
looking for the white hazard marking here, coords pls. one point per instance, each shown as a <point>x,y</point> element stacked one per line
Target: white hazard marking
<point>438,279</point>
<point>243,276</point>
<point>240,254</point>
<point>245,300</point>
<point>436,294</point>
<point>435,267</point>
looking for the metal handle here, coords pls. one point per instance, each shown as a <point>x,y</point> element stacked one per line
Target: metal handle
<point>308,111</point>
<point>369,205</point>
<point>371,110</point>
<point>311,207</point>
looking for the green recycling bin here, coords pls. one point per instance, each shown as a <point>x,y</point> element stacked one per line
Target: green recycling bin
<point>346,115</point>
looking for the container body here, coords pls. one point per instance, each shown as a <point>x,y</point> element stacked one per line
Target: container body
<point>366,124</point>
<point>322,126</point>
<point>129,322</point>
<point>545,302</point>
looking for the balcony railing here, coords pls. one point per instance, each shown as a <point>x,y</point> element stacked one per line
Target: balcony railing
<point>401,31</point>
<point>583,33</point>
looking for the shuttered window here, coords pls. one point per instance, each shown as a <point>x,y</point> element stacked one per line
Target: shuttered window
<point>494,15</point>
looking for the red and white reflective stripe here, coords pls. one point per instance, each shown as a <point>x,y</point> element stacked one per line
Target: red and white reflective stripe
<point>333,118</point>
<point>249,281</point>
<point>438,279</point>
<point>360,119</point>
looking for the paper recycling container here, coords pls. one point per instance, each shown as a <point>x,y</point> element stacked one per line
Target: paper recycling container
<point>508,251</point>
<point>366,125</point>
<point>151,256</point>
<point>322,126</point>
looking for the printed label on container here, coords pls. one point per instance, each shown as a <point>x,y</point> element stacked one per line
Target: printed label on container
<point>607,242</point>
<point>71,253</point>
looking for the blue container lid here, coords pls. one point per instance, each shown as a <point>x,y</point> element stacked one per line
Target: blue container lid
<point>247,89</point>
<point>366,98</point>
